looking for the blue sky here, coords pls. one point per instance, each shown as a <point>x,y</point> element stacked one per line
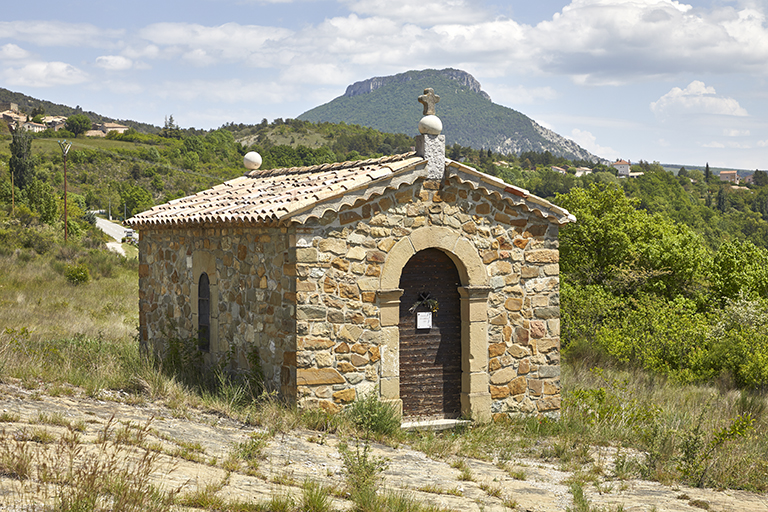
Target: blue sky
<point>680,82</point>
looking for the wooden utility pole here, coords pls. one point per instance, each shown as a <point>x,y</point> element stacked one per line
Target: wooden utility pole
<point>13,192</point>
<point>64,145</point>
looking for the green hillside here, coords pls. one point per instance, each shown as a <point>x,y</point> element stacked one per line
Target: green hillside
<point>469,118</point>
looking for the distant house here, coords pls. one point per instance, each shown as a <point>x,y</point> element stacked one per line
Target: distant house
<point>102,129</point>
<point>622,167</point>
<point>55,123</point>
<point>13,119</point>
<point>33,127</point>
<point>729,176</point>
<point>750,179</point>
<point>559,170</point>
<point>583,171</point>
<point>112,127</point>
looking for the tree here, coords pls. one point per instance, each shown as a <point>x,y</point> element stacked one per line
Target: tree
<point>760,178</point>
<point>624,249</point>
<point>42,200</point>
<point>21,164</point>
<point>135,199</point>
<point>739,268</point>
<point>707,173</point>
<point>78,123</point>
<point>170,129</point>
<point>722,200</point>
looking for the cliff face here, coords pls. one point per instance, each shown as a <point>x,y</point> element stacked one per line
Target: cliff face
<point>462,77</point>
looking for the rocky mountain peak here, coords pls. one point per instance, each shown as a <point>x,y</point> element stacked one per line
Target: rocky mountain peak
<point>371,84</point>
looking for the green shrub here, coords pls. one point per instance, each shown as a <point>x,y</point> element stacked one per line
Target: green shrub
<point>77,274</point>
<point>656,334</point>
<point>737,345</point>
<point>373,416</point>
<point>363,470</point>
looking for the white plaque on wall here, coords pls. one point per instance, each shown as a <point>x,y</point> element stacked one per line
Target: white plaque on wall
<point>424,320</point>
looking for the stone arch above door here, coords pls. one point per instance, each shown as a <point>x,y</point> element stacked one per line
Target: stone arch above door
<point>471,268</point>
<point>475,391</point>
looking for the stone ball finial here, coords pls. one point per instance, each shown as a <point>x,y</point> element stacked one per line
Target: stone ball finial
<point>252,160</point>
<point>430,125</point>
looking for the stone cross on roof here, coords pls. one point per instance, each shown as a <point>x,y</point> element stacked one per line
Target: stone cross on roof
<point>429,99</point>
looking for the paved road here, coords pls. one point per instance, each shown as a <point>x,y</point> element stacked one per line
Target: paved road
<point>116,231</point>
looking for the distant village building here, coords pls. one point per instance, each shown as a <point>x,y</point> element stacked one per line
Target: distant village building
<point>13,119</point>
<point>7,105</point>
<point>558,170</point>
<point>55,123</point>
<point>102,129</point>
<point>33,127</point>
<point>112,127</point>
<point>622,167</point>
<point>582,171</point>
<point>729,176</point>
<point>413,276</point>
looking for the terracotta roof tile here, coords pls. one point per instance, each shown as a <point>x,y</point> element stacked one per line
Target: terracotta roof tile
<point>265,196</point>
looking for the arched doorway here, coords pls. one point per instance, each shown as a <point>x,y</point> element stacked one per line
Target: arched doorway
<point>430,341</point>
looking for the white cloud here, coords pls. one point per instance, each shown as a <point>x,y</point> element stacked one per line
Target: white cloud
<point>12,52</point>
<point>44,74</point>
<point>204,45</point>
<point>424,13</point>
<point>731,132</point>
<point>55,33</point>
<point>588,141</point>
<point>114,62</point>
<point>713,144</point>
<point>611,41</point>
<point>199,57</point>
<point>697,98</point>
<point>591,41</point>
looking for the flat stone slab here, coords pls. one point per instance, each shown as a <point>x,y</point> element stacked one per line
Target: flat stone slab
<point>432,424</point>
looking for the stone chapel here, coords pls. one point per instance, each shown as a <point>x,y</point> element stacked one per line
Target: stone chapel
<point>411,276</point>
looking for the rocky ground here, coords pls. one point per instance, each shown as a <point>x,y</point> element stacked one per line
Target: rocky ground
<point>195,448</point>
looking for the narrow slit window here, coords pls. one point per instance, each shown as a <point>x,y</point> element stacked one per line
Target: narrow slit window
<point>204,313</point>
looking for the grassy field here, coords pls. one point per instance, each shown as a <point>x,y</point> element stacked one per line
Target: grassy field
<point>38,299</point>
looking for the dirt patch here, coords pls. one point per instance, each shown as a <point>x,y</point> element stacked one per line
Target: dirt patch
<point>194,450</point>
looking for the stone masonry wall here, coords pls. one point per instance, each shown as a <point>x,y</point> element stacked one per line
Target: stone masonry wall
<point>254,296</point>
<point>341,345</point>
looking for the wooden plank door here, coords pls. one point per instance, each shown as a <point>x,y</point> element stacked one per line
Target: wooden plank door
<point>430,359</point>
